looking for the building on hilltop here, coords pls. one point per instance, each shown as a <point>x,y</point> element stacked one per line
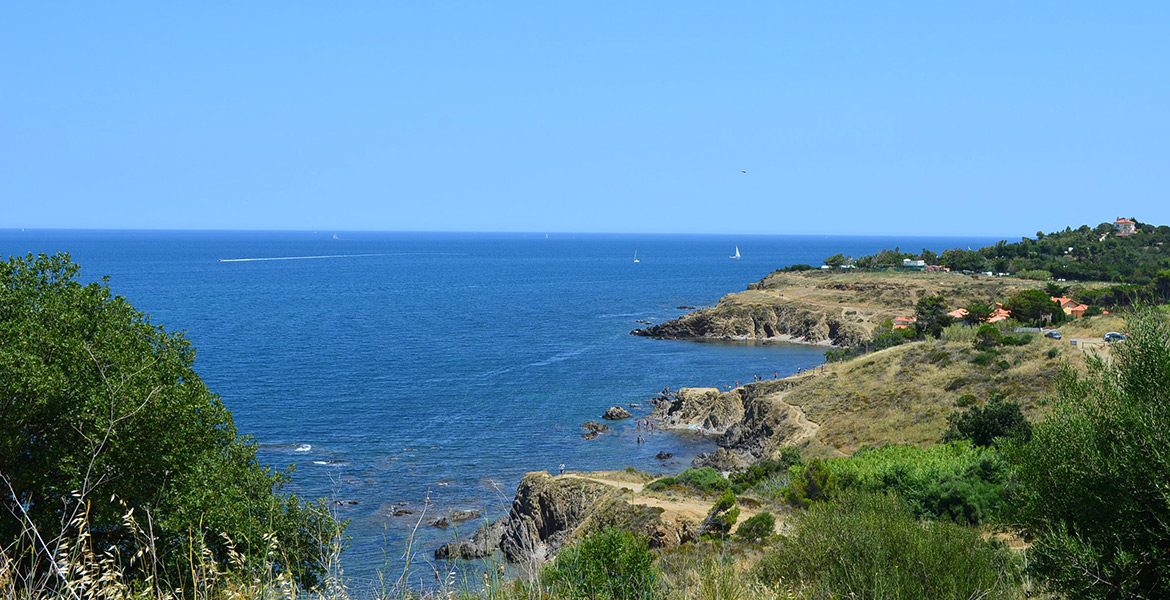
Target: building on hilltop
<point>913,265</point>
<point>904,322</point>
<point>1125,226</point>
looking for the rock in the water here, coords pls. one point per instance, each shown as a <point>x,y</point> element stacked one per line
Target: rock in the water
<point>458,516</point>
<point>441,523</point>
<point>483,543</point>
<point>617,413</point>
<point>664,455</point>
<point>593,429</point>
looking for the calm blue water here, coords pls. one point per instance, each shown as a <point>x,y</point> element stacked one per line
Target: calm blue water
<point>441,364</point>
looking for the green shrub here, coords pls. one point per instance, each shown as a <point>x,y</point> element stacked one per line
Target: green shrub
<point>1092,311</point>
<point>987,337</point>
<point>606,565</point>
<point>722,516</point>
<point>759,528</point>
<point>1093,479</point>
<point>1003,365</point>
<point>810,483</point>
<point>984,358</point>
<point>838,355</point>
<point>983,426</point>
<point>661,484</point>
<point>742,480</point>
<point>966,400</point>
<point>705,479</point>
<point>865,545</point>
<point>951,481</point>
<point>1052,353</point>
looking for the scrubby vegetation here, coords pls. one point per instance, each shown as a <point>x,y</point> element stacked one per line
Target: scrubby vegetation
<point>870,545</point>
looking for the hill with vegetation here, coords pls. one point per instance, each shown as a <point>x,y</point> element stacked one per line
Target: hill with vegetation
<point>1082,254</point>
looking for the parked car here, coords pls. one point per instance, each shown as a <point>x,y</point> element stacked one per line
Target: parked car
<point>1113,336</point>
<point>1052,334</point>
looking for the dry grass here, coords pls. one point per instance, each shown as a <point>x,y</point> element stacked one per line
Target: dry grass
<point>902,395</point>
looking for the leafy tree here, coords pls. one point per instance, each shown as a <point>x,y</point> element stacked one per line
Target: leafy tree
<point>611,564</point>
<point>1055,289</point>
<point>931,316</point>
<point>1093,479</point>
<point>964,260</point>
<point>1034,306</point>
<point>101,407</point>
<point>835,260</point>
<point>978,312</point>
<point>983,426</point>
<point>930,256</point>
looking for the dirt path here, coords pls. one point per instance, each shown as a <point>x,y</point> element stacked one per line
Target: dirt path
<point>693,509</point>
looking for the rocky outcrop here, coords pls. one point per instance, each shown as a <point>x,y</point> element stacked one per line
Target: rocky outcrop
<point>616,413</point>
<point>545,512</point>
<point>593,429</point>
<point>483,543</point>
<point>752,421</point>
<point>550,512</point>
<point>781,321</point>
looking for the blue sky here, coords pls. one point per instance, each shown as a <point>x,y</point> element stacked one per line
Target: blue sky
<point>996,118</point>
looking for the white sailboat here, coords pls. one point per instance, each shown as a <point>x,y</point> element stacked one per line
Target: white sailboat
<point>636,256</point>
<point>736,253</point>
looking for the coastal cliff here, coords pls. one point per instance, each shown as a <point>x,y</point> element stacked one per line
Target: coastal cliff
<point>828,308</point>
<point>780,321</point>
<point>550,512</point>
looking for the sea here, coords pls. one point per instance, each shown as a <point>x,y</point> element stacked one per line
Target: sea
<point>430,371</point>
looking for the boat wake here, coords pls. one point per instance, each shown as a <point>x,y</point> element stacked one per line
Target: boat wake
<point>299,257</point>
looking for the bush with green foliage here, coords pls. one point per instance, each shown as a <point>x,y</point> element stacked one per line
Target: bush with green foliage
<point>704,479</point>
<point>930,313</point>
<point>742,480</point>
<point>611,564</point>
<point>101,407</point>
<point>955,481</point>
<point>722,517</point>
<point>982,426</point>
<point>869,545</point>
<point>797,268</point>
<point>1093,480</point>
<point>758,528</point>
<point>810,482</point>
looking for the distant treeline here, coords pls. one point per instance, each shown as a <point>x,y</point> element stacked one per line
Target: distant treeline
<point>1082,254</point>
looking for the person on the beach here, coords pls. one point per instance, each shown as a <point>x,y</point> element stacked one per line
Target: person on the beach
<point>776,375</point>
<point>562,468</point>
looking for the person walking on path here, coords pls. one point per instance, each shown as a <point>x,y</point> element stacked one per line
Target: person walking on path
<point>562,468</point>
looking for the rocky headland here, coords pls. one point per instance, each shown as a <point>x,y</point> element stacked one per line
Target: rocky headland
<point>825,308</point>
<point>549,512</point>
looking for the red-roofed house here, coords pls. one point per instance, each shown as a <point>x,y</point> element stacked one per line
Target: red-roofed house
<point>958,313</point>
<point>904,322</point>
<point>1125,226</point>
<point>1070,306</point>
<point>999,314</point>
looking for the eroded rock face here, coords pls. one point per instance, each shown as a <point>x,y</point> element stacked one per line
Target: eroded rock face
<point>551,512</point>
<point>545,512</point>
<point>787,321</point>
<point>483,543</point>
<point>616,413</point>
<point>753,421</point>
